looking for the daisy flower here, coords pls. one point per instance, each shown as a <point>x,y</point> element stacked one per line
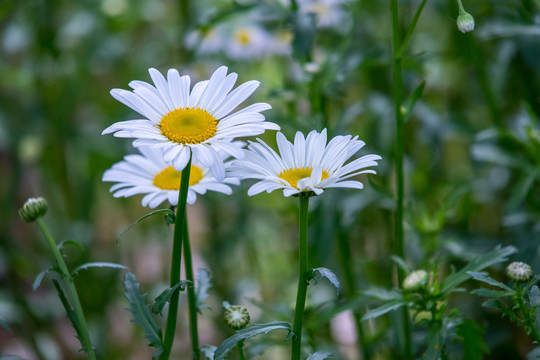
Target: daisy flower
<point>147,173</point>
<point>310,164</point>
<point>201,121</point>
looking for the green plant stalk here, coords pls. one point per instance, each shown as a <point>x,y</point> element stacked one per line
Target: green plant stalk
<point>398,98</point>
<point>526,315</point>
<point>302,277</point>
<point>72,291</point>
<point>192,299</point>
<point>176,260</point>
<point>241,350</point>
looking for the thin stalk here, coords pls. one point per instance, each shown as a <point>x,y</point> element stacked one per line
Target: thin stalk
<point>398,98</point>
<point>72,291</point>
<point>302,277</point>
<point>526,314</point>
<point>176,260</point>
<point>192,299</point>
<point>241,350</point>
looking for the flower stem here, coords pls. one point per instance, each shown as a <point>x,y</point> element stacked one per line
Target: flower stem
<point>241,350</point>
<point>192,299</point>
<point>176,260</point>
<point>398,98</point>
<point>526,315</point>
<point>302,277</point>
<point>72,291</point>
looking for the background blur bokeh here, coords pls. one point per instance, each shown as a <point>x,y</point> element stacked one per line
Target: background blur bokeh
<point>472,146</point>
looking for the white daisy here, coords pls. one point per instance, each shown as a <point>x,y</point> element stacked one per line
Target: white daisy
<point>178,120</point>
<point>249,41</point>
<point>147,173</point>
<point>307,165</point>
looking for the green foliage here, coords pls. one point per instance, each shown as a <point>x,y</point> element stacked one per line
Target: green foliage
<point>320,355</point>
<point>248,333</point>
<point>474,346</point>
<point>70,312</point>
<point>141,314</point>
<point>165,296</point>
<point>41,275</point>
<point>98,265</point>
<point>169,216</point>
<point>201,290</point>
<point>208,351</point>
<point>319,273</point>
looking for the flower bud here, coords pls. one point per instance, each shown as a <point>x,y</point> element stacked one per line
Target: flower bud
<point>236,317</point>
<point>519,271</point>
<point>465,22</point>
<point>415,280</point>
<point>33,209</point>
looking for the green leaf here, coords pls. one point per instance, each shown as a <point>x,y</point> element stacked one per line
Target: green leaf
<point>401,264</point>
<point>41,275</point>
<point>155,212</point>
<point>165,296</point>
<point>69,312</point>
<point>493,303</point>
<point>478,263</point>
<point>70,242</point>
<point>534,296</point>
<point>141,314</point>
<point>201,291</point>
<point>319,273</point>
<point>98,264</point>
<point>320,355</point>
<point>248,333</point>
<point>474,346</point>
<point>386,308</point>
<point>482,276</point>
<point>382,294</point>
<point>208,351</point>
<point>409,103</point>
<point>492,293</point>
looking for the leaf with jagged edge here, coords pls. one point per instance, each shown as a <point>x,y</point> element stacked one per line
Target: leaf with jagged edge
<point>208,351</point>
<point>484,277</point>
<point>201,290</point>
<point>319,273</point>
<point>320,355</point>
<point>69,312</point>
<point>98,264</point>
<point>142,315</point>
<point>248,333</point>
<point>383,309</point>
<point>492,293</point>
<point>41,275</point>
<point>167,212</point>
<point>69,242</point>
<point>165,296</point>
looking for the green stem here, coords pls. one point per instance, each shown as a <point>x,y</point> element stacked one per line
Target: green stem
<point>302,277</point>
<point>176,260</point>
<point>526,315</point>
<point>66,275</point>
<point>398,98</point>
<point>192,299</point>
<point>241,350</point>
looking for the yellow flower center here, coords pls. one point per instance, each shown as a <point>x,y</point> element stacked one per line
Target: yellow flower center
<point>293,175</point>
<point>169,178</point>
<point>188,126</point>
<point>243,36</point>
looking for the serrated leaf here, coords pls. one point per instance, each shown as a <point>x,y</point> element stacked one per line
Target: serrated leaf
<point>69,312</point>
<point>474,346</point>
<point>320,355</point>
<point>248,333</point>
<point>382,294</point>
<point>318,273</point>
<point>478,263</point>
<point>386,308</point>
<point>493,303</point>
<point>41,275</point>
<point>69,242</point>
<point>492,293</point>
<point>165,296</point>
<point>98,264</point>
<point>484,277</point>
<point>208,351</point>
<point>534,296</point>
<point>141,314</point>
<point>401,264</point>
<point>201,291</point>
<point>155,212</point>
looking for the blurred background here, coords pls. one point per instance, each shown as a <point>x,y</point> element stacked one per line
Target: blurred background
<point>472,147</point>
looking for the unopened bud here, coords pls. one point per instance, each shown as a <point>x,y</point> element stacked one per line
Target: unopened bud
<point>465,22</point>
<point>236,317</point>
<point>519,271</point>
<point>33,209</point>
<point>415,280</point>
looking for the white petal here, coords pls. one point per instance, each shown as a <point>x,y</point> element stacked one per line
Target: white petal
<point>235,98</point>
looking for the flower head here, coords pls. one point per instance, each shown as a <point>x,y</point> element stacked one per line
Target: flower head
<point>308,165</point>
<point>201,121</point>
<point>465,22</point>
<point>147,173</point>
<point>519,271</point>
<point>33,209</point>
<point>415,280</point>
<point>236,317</point>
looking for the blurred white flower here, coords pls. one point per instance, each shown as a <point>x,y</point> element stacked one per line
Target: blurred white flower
<point>328,13</point>
<point>249,41</point>
<point>208,42</point>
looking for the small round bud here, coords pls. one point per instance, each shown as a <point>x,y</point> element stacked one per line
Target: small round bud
<point>236,317</point>
<point>33,209</point>
<point>415,280</point>
<point>465,22</point>
<point>519,271</point>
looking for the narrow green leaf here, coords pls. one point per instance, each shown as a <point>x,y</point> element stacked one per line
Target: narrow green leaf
<point>478,263</point>
<point>484,277</point>
<point>493,303</point>
<point>201,291</point>
<point>165,296</point>
<point>69,312</point>
<point>382,294</point>
<point>208,351</point>
<point>248,333</point>
<point>492,293</point>
<point>474,346</point>
<point>155,212</point>
<point>70,242</point>
<point>409,103</point>
<point>320,355</point>
<point>410,29</point>
<point>401,264</point>
<point>386,308</point>
<point>318,273</point>
<point>41,275</point>
<point>141,314</point>
<point>98,264</point>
